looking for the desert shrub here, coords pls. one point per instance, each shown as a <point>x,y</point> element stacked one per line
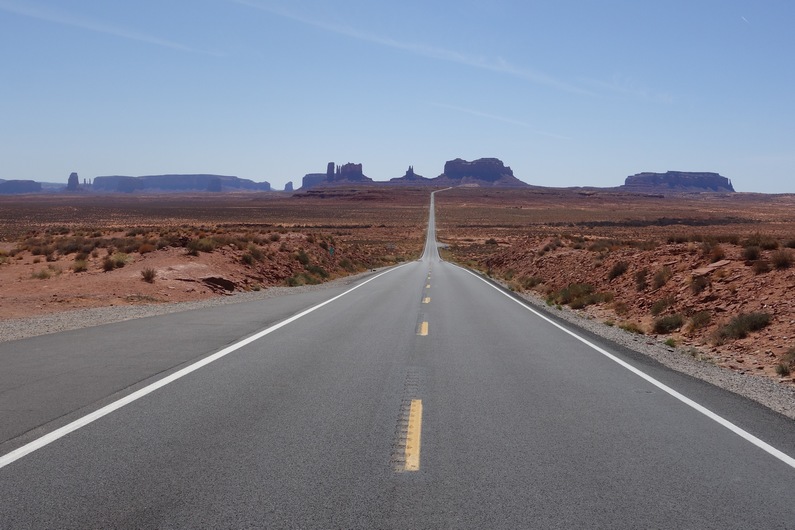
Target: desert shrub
<point>42,274</point>
<point>204,244</point>
<point>716,254</point>
<point>641,279</point>
<point>782,258</point>
<point>669,323</point>
<point>661,305</point>
<point>248,259</point>
<point>700,319</point>
<point>751,253</point>
<point>574,290</point>
<point>275,236</point>
<point>671,343</point>
<point>108,264</point>
<point>528,282</point>
<point>787,363</point>
<point>678,238</point>
<point>491,241</point>
<point>620,307</point>
<point>761,267</point>
<point>80,265</point>
<point>148,275</point>
<point>256,252</point>
<point>579,295</point>
<point>302,279</point>
<point>317,270</point>
<point>323,245</point>
<point>698,284</point>
<point>145,248</point>
<point>137,231</point>
<point>632,327</point>
<point>740,326</point>
<point>617,270</point>
<point>661,277</point>
<point>790,243</point>
<point>302,257</point>
<point>119,260</point>
<point>762,241</point>
<point>347,264</point>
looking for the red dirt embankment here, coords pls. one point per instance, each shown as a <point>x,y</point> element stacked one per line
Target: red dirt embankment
<point>711,274</point>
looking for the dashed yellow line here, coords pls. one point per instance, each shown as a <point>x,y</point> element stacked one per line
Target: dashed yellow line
<point>426,300</point>
<point>423,331</point>
<point>414,436</point>
<point>428,286</point>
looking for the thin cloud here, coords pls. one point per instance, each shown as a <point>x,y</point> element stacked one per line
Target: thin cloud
<point>59,17</point>
<point>498,64</point>
<point>499,118</point>
<point>628,87</point>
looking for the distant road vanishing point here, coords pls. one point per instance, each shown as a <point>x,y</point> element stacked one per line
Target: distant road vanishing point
<point>420,396</point>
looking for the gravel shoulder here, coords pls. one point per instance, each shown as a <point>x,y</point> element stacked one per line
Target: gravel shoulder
<point>22,328</point>
<point>773,395</point>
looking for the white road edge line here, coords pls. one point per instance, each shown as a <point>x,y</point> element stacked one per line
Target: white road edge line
<point>665,388</point>
<point>47,439</point>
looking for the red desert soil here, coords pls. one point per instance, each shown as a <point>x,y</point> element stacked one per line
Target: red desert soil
<point>635,258</point>
<point>62,252</point>
<point>680,267</point>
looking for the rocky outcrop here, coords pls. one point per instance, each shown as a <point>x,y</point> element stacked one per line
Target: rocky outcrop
<point>312,180</point>
<point>346,174</point>
<point>176,183</point>
<point>288,186</point>
<point>481,172</point>
<point>73,184</point>
<point>8,187</point>
<point>411,178</point>
<point>678,181</point>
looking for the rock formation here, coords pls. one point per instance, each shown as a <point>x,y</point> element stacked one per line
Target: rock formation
<point>288,186</point>
<point>73,184</point>
<point>311,180</point>
<point>411,178</point>
<point>349,173</point>
<point>481,172</point>
<point>345,174</point>
<point>176,183</point>
<point>678,181</point>
<point>8,187</point>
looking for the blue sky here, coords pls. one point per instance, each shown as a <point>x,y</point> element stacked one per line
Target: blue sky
<point>566,92</point>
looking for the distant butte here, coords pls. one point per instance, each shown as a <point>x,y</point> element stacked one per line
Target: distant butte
<point>176,183</point>
<point>481,172</point>
<point>678,181</point>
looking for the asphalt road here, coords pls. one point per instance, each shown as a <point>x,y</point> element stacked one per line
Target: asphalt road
<point>423,398</point>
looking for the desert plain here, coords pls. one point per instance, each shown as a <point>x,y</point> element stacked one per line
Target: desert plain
<point>712,276</point>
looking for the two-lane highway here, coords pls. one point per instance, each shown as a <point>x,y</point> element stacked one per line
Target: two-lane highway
<point>420,397</point>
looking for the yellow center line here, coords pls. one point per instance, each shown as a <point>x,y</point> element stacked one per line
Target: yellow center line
<point>413,436</point>
<point>428,286</point>
<point>423,331</point>
<point>426,300</point>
